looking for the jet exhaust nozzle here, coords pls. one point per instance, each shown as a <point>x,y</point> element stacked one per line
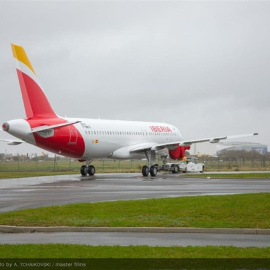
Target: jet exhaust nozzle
<point>5,126</point>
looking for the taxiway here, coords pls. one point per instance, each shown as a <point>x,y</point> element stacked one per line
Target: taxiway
<point>35,192</point>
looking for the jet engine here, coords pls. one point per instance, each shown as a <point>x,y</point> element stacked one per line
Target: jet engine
<point>179,152</point>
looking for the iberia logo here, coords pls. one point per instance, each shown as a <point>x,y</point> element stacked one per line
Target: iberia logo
<point>160,129</point>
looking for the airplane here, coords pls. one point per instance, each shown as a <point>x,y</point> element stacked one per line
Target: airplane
<point>89,139</point>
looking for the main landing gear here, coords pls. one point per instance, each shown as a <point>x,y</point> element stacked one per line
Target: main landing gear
<point>152,169</point>
<point>88,169</point>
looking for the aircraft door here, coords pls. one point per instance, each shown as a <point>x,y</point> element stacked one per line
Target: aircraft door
<point>73,135</point>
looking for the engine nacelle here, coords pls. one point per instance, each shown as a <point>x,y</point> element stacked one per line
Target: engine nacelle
<point>179,152</point>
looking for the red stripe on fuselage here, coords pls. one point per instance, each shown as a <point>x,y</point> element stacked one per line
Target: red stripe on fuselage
<point>66,141</point>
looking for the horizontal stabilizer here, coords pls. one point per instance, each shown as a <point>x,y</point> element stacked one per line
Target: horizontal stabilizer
<point>12,142</point>
<point>44,128</point>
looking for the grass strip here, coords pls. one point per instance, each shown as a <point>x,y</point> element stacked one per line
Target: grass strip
<point>85,251</point>
<point>226,211</point>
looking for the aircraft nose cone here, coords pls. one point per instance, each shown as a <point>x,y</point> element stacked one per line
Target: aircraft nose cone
<point>5,126</point>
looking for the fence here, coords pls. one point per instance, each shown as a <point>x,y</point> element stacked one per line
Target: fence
<point>236,163</point>
<point>62,164</point>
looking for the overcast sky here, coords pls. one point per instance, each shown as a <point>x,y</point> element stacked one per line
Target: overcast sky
<point>200,65</point>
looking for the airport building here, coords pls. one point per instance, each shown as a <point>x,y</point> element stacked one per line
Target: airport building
<point>241,146</point>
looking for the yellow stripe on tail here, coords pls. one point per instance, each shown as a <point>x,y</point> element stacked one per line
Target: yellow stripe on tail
<point>19,54</point>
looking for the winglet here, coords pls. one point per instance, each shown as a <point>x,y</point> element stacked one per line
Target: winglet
<point>35,102</point>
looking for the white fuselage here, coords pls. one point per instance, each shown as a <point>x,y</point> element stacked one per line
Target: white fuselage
<point>104,138</point>
<point>95,138</point>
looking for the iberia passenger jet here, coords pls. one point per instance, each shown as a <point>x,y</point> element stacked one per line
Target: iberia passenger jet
<point>89,139</point>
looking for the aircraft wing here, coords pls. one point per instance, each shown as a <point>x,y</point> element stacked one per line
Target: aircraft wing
<point>173,145</point>
<point>215,139</point>
<point>12,142</point>
<point>142,147</point>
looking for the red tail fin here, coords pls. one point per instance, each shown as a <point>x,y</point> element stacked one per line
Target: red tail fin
<point>36,103</point>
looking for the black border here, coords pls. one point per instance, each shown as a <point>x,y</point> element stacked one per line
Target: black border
<point>140,264</point>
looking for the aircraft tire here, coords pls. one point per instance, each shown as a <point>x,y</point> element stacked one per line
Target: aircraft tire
<point>175,169</point>
<point>145,171</point>
<point>91,170</point>
<point>84,170</point>
<point>153,171</point>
